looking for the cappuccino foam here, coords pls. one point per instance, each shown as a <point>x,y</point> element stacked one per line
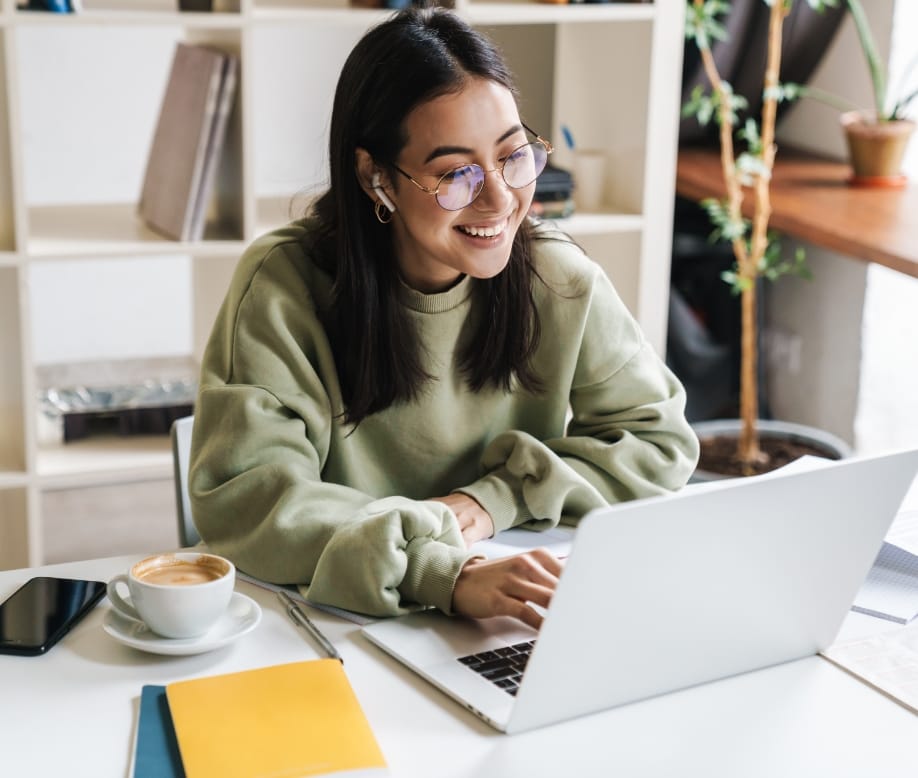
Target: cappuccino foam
<point>178,572</point>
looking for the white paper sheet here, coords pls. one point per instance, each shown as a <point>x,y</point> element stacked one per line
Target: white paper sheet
<point>888,662</point>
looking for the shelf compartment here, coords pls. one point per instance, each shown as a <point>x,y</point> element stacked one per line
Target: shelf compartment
<point>12,479</point>
<point>82,185</point>
<point>13,440</point>
<point>619,255</point>
<point>291,155</point>
<point>617,124</point>
<point>104,460</point>
<point>133,518</point>
<point>475,12</point>
<point>552,13</point>
<point>276,211</point>
<point>582,224</point>
<point>102,230</point>
<point>137,13</point>
<point>7,217</point>
<point>14,529</point>
<point>210,280</point>
<point>278,11</point>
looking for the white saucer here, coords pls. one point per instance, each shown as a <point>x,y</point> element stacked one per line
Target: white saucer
<point>241,617</point>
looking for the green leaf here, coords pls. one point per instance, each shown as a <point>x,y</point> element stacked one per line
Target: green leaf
<point>749,167</point>
<point>773,265</point>
<point>874,62</point>
<point>737,283</point>
<point>706,106</point>
<point>784,92</point>
<point>750,134</point>
<point>702,24</point>
<point>899,109</point>
<point>725,227</point>
<point>700,105</point>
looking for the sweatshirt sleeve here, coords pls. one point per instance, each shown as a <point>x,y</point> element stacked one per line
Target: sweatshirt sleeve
<point>627,436</point>
<point>258,450</point>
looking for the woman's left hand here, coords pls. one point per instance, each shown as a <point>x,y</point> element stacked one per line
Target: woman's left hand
<point>475,522</point>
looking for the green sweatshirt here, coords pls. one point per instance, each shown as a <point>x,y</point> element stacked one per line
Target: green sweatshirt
<point>280,486</point>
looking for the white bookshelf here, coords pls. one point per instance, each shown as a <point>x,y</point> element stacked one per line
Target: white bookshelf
<point>611,72</point>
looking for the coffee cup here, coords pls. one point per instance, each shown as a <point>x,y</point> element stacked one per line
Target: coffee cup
<point>180,595</point>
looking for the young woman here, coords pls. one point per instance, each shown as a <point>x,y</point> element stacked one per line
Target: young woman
<point>416,364</point>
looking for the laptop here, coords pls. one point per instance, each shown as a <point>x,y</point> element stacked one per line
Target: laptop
<point>668,592</point>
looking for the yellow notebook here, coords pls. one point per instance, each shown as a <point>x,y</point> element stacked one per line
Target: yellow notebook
<point>283,721</point>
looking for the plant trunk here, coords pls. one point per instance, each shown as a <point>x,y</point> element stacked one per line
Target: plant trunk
<point>749,451</point>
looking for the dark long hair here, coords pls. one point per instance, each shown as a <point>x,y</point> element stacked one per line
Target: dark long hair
<point>415,56</point>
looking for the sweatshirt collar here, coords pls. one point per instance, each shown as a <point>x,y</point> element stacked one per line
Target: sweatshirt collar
<point>438,302</point>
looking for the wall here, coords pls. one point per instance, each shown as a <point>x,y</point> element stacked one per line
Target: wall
<point>845,357</point>
<point>814,345</point>
<point>887,415</point>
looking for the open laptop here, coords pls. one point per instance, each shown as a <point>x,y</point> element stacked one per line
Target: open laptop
<point>668,592</point>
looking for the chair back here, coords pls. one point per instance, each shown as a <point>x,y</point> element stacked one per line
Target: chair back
<point>181,453</point>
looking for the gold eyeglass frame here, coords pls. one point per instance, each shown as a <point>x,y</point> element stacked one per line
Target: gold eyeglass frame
<point>435,191</point>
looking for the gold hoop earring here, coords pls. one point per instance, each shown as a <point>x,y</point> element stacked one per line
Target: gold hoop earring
<point>383,214</point>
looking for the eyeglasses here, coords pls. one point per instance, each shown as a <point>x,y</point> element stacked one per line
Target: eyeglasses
<point>461,186</point>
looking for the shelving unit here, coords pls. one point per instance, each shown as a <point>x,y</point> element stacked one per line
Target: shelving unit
<point>610,72</point>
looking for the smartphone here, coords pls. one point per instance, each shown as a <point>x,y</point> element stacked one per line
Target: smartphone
<point>44,609</point>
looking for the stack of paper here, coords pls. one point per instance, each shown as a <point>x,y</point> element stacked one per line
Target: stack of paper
<point>297,719</point>
<point>891,588</point>
<point>888,662</point>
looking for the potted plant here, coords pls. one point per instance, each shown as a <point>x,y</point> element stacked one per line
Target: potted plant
<point>756,249</point>
<point>876,137</point>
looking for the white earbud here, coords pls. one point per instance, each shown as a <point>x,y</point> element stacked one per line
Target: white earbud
<point>384,198</point>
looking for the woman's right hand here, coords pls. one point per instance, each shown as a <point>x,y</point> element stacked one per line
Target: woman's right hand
<point>507,586</point>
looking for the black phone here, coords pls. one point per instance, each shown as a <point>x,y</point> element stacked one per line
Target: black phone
<point>44,609</point>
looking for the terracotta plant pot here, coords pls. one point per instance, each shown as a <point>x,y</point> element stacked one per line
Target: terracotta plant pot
<point>876,148</point>
<point>785,439</point>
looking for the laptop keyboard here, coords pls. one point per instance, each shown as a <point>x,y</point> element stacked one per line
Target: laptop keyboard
<point>502,666</point>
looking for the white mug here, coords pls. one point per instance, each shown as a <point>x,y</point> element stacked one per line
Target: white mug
<point>179,595</point>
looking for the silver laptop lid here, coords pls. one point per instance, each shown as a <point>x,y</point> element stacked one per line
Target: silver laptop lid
<point>669,592</point>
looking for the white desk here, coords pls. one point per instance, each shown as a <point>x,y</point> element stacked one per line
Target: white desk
<point>72,712</point>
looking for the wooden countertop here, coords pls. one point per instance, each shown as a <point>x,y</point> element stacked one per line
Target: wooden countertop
<point>811,201</point>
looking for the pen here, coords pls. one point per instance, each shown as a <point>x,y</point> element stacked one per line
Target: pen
<point>302,620</point>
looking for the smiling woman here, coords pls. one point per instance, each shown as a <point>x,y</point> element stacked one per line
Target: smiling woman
<point>468,226</point>
<point>416,364</point>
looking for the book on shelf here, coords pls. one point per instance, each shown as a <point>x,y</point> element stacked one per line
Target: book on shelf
<point>188,141</point>
<point>214,148</point>
<point>301,718</point>
<point>206,6</point>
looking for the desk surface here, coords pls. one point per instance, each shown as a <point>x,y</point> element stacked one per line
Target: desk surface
<point>72,712</point>
<point>811,200</point>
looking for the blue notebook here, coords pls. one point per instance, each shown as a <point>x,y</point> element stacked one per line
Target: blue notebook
<point>156,752</point>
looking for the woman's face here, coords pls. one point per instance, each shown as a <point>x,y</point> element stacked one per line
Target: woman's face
<point>435,247</point>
